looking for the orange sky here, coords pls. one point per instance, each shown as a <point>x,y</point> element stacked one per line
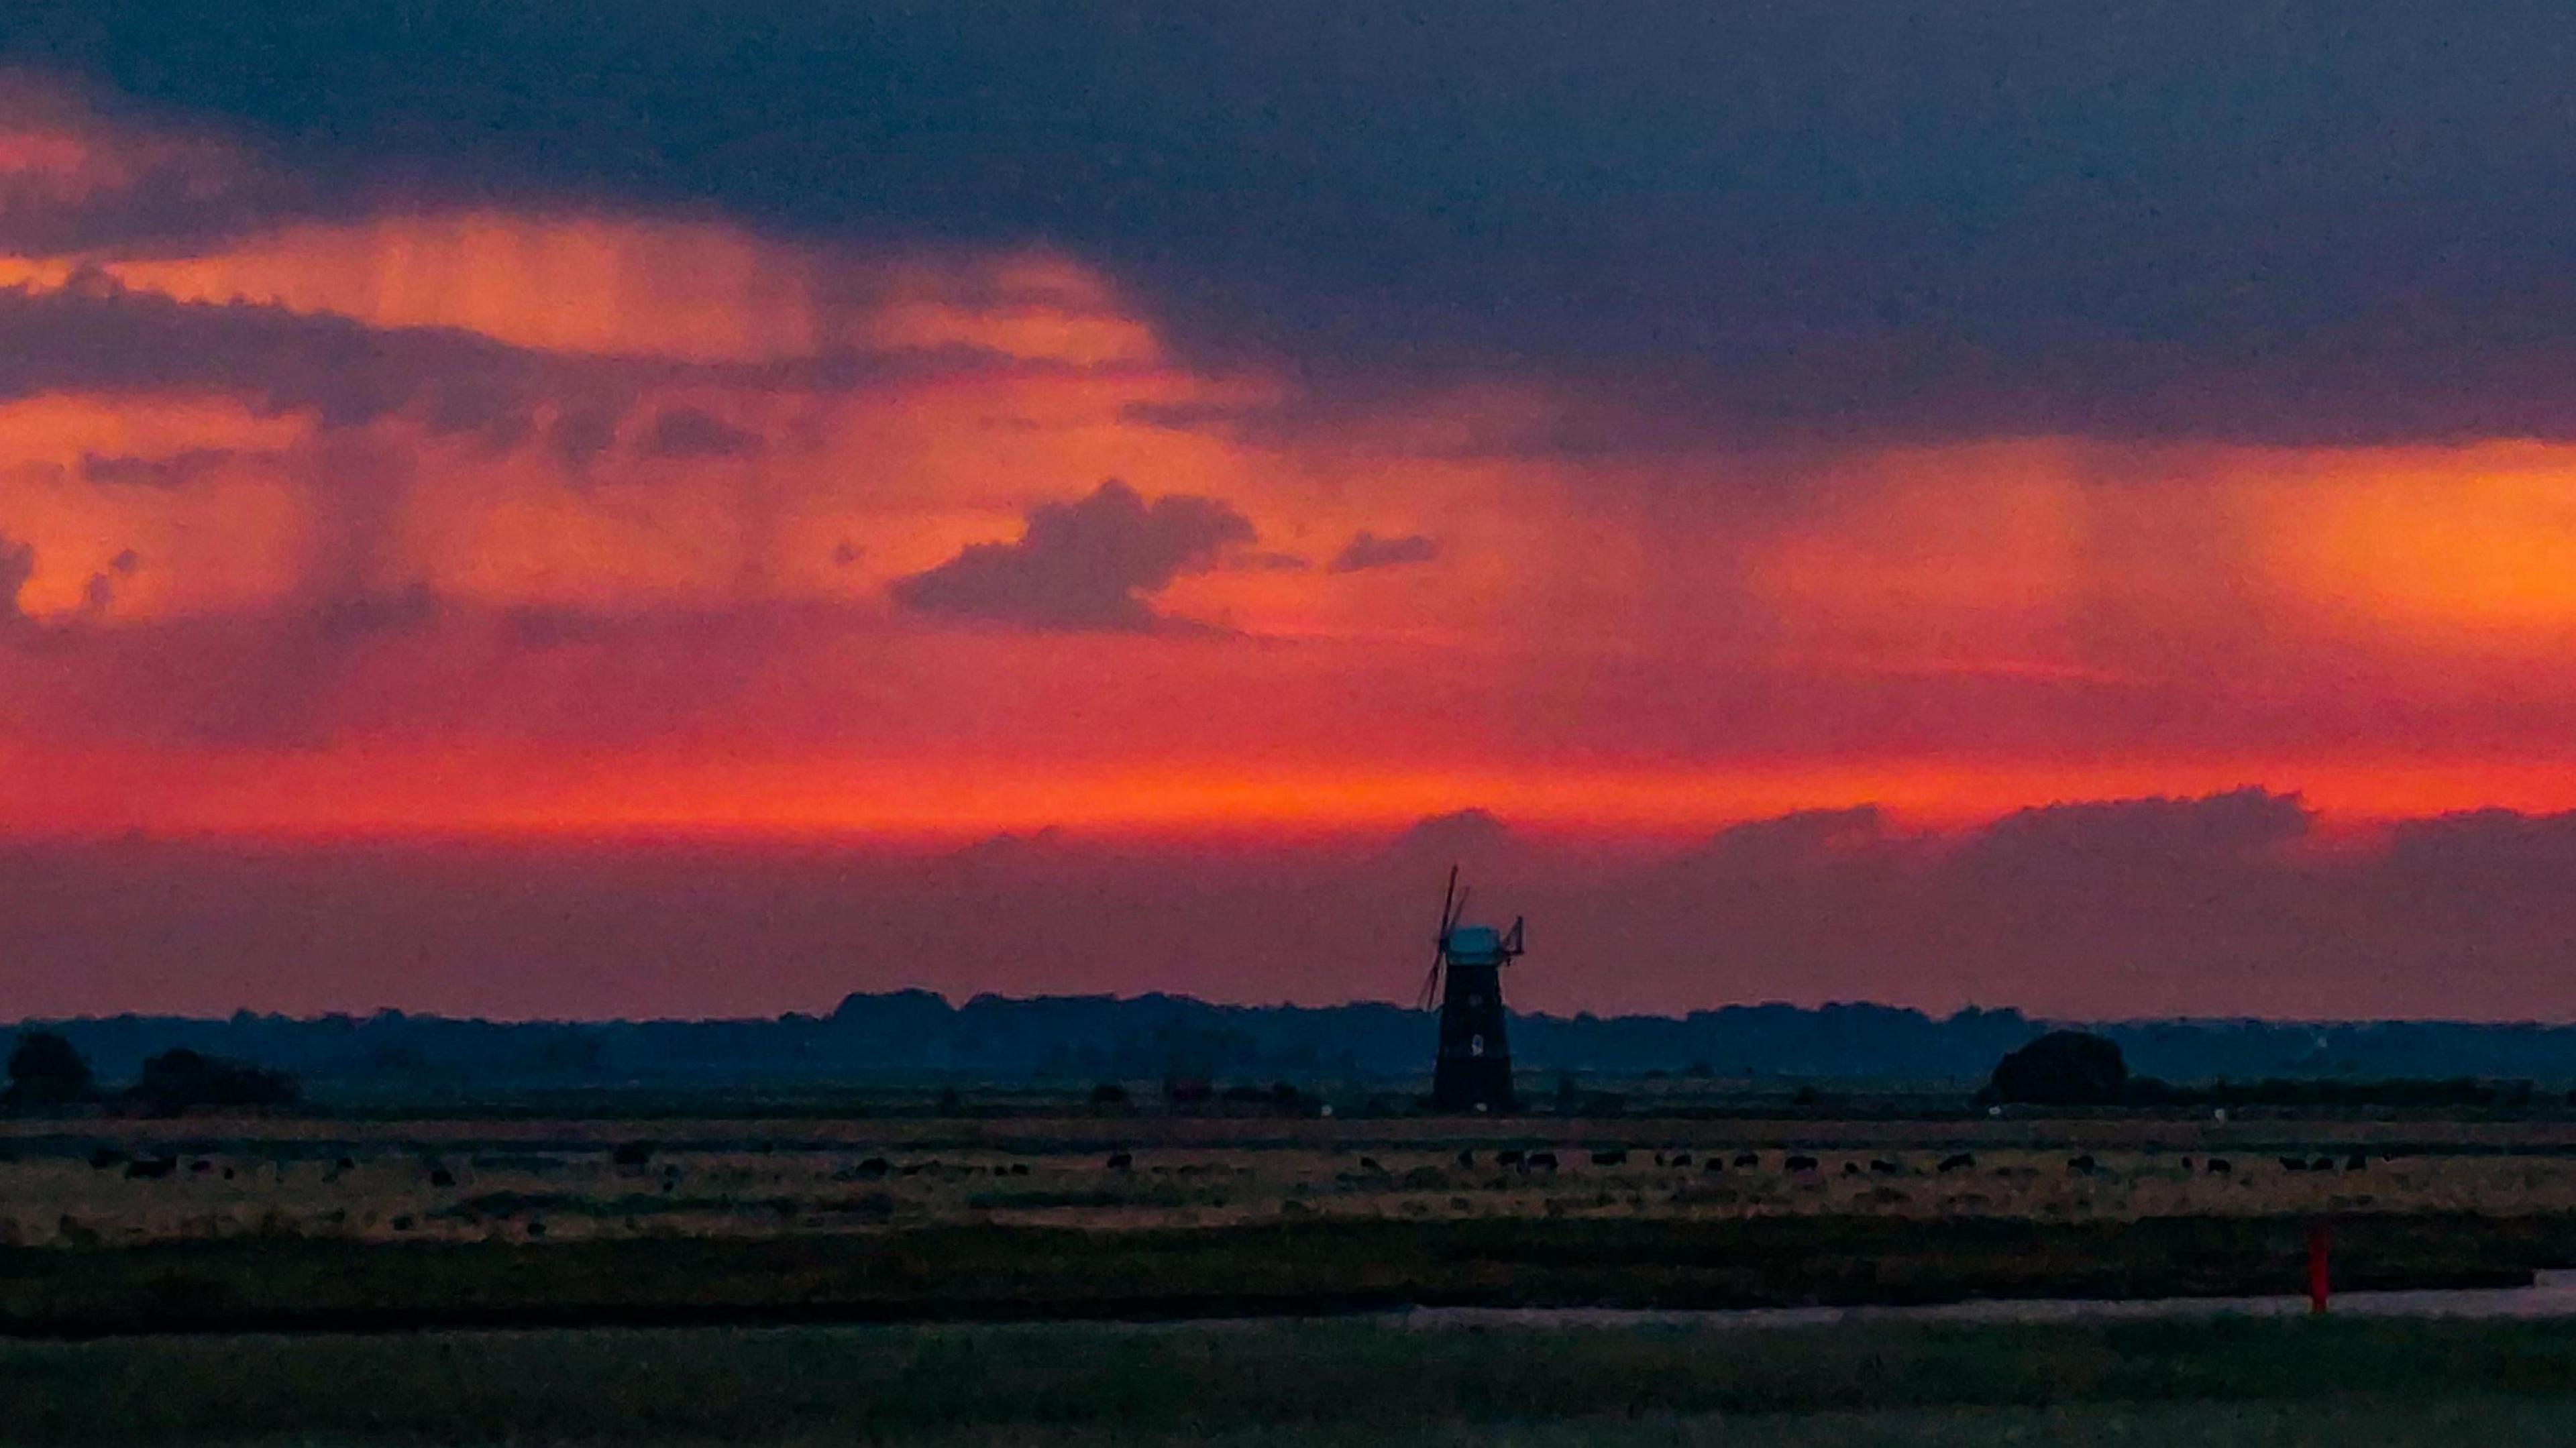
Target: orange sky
<point>656,594</point>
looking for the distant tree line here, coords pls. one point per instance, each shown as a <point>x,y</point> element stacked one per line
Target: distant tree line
<point>46,1072</point>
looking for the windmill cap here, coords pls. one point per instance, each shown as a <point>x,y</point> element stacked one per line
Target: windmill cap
<point>1475,945</point>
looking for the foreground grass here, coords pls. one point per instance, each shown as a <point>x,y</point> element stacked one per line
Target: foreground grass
<point>2241,1381</point>
<point>1310,1267</point>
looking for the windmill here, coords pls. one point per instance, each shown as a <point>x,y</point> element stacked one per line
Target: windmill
<point>1472,1070</point>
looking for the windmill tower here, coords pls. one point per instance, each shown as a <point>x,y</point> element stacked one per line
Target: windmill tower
<point>1473,1068</point>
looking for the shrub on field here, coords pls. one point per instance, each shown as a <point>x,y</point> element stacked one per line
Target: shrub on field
<point>2062,1068</point>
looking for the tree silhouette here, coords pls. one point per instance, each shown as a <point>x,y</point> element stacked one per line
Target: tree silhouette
<point>182,1080</point>
<point>2062,1068</point>
<point>46,1071</point>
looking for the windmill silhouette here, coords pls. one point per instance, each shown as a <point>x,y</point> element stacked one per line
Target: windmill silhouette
<point>1472,1070</point>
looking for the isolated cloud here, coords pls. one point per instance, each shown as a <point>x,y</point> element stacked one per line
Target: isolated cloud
<point>1090,564</point>
<point>176,470</point>
<point>17,565</point>
<point>97,336</point>
<point>1367,550</point>
<point>689,432</point>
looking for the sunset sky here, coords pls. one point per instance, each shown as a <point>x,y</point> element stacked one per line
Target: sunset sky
<point>589,508</point>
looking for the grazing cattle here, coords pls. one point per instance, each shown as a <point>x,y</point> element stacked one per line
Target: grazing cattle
<point>631,1153</point>
<point>1659,1159</point>
<point>1612,1157</point>
<point>1884,1167</point>
<point>200,1167</point>
<point>1851,1168</point>
<point>875,1166</point>
<point>2323,1163</point>
<point>2083,1165</point>
<point>152,1170</point>
<point>1122,1161</point>
<point>1748,1158</point>
<point>106,1157</point>
<point>2186,1163</point>
<point>1539,1161</point>
<point>1961,1162</point>
<point>1507,1158</point>
<point>344,1164</point>
<point>2294,1163</point>
<point>1369,1163</point>
<point>1466,1158</point>
<point>1019,1168</point>
<point>2356,1162</point>
<point>440,1176</point>
<point>1715,1164</point>
<point>2219,1166</point>
<point>1681,1158</point>
<point>1798,1163</point>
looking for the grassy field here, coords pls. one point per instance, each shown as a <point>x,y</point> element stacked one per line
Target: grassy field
<point>122,1226</point>
<point>2248,1382</point>
<point>128,1183</point>
<point>1002,1273</point>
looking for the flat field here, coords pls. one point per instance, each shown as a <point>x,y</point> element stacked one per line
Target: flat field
<point>112,1226</point>
<point>131,1183</point>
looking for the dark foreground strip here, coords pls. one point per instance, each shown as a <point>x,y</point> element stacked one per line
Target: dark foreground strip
<point>1306,1268</point>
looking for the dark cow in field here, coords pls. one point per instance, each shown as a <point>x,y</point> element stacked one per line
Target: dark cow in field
<point>2294,1163</point>
<point>152,1169</point>
<point>1466,1159</point>
<point>1960,1162</point>
<point>1681,1158</point>
<point>1539,1161</point>
<point>2083,1165</point>
<point>2220,1166</point>
<point>1715,1163</point>
<point>1122,1161</point>
<point>1748,1158</point>
<point>1369,1164</point>
<point>1884,1167</point>
<point>2323,1163</point>
<point>1507,1158</point>
<point>1851,1168</point>
<point>2356,1162</point>
<point>1611,1157</point>
<point>1798,1163</point>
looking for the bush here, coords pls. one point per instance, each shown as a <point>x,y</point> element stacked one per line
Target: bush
<point>1108,1093</point>
<point>45,1071</point>
<point>184,1080</point>
<point>2062,1068</point>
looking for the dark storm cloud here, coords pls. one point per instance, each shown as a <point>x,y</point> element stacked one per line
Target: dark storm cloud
<point>2195,217</point>
<point>2184,917</point>
<point>1090,564</point>
<point>1367,550</point>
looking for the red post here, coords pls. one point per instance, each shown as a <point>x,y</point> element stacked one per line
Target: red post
<point>2319,1238</point>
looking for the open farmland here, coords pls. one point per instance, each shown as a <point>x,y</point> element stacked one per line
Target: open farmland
<point>130,1183</point>
<point>115,1226</point>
